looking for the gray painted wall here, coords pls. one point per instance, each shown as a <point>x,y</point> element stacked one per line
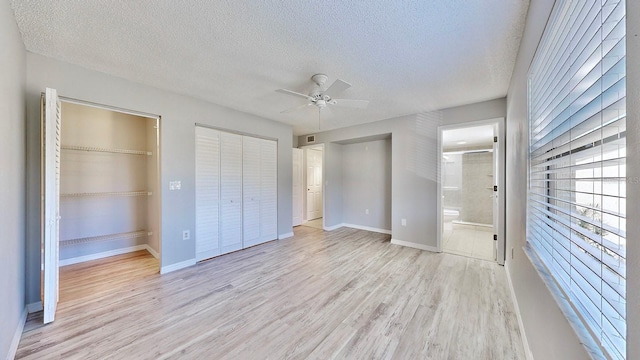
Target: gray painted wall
<point>414,159</point>
<point>366,184</point>
<point>548,332</point>
<point>177,150</point>
<point>332,168</point>
<point>12,181</point>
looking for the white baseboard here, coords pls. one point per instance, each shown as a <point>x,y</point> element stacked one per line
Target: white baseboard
<point>152,251</point>
<point>414,245</point>
<point>177,266</point>
<point>284,236</point>
<point>527,350</point>
<point>368,228</point>
<point>333,227</point>
<point>34,307</point>
<point>13,348</point>
<point>101,255</point>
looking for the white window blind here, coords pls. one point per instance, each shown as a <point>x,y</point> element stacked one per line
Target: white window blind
<point>576,205</point>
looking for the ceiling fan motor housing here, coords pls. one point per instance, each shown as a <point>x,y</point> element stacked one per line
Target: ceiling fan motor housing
<point>320,79</point>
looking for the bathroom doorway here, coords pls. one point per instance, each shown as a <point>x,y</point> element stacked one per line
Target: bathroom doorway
<point>470,186</point>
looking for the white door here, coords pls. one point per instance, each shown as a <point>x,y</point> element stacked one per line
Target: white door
<point>314,184</point>
<point>251,190</point>
<point>230,192</point>
<point>268,190</point>
<point>298,214</point>
<point>207,193</point>
<point>51,187</point>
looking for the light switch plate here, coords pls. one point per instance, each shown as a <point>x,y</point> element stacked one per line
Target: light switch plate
<point>175,185</point>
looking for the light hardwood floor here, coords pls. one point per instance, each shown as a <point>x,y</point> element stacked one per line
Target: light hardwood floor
<point>345,294</point>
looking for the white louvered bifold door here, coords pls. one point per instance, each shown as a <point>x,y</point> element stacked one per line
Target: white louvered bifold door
<point>298,190</point>
<point>268,190</point>
<point>51,197</point>
<point>230,192</point>
<point>251,190</point>
<point>207,193</point>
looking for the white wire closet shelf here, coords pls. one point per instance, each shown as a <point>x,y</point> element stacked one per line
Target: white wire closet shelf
<point>108,237</point>
<point>106,150</point>
<point>109,194</point>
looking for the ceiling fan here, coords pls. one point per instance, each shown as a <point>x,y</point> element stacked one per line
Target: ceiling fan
<point>322,97</point>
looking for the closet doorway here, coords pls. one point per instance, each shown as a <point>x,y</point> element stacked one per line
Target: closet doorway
<point>100,184</point>
<point>471,187</point>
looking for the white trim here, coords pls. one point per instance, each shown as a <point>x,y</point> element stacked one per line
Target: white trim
<point>34,307</point>
<point>13,348</point>
<point>368,228</point>
<point>177,266</point>
<point>152,251</point>
<point>284,236</point>
<point>333,227</point>
<point>101,255</point>
<point>527,350</point>
<point>414,245</point>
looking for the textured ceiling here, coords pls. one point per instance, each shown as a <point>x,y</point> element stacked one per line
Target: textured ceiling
<point>405,56</point>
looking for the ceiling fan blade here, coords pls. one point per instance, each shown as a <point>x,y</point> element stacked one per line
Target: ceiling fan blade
<point>358,104</point>
<point>326,113</point>
<point>289,92</point>
<point>296,108</point>
<point>337,87</point>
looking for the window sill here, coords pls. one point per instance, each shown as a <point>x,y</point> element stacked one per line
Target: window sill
<point>584,335</point>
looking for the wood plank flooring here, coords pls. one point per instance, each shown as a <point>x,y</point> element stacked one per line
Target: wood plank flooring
<point>344,294</point>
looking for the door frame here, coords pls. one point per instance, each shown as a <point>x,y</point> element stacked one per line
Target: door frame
<point>501,182</point>
<point>304,180</point>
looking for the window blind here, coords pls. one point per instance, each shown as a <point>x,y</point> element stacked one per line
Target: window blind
<point>576,209</point>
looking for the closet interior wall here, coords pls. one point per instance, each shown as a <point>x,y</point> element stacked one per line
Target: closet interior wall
<point>108,183</point>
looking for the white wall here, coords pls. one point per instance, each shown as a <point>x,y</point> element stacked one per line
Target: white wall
<point>548,332</point>
<point>366,184</point>
<point>12,181</point>
<point>177,132</point>
<point>414,158</point>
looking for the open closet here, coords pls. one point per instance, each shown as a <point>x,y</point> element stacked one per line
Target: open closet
<point>108,183</point>
<point>100,186</point>
<point>236,191</point>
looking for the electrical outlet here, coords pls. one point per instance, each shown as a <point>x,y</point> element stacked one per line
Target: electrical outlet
<point>186,235</point>
<point>366,211</point>
<point>404,222</point>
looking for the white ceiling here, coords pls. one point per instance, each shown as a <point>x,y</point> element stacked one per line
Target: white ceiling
<point>405,56</point>
<point>468,137</point>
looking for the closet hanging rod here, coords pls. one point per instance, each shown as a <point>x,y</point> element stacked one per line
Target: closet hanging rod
<point>107,194</point>
<point>106,150</point>
<point>109,237</point>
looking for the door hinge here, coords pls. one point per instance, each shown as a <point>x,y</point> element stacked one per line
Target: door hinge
<point>495,237</point>
<point>495,187</point>
<point>495,139</point>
